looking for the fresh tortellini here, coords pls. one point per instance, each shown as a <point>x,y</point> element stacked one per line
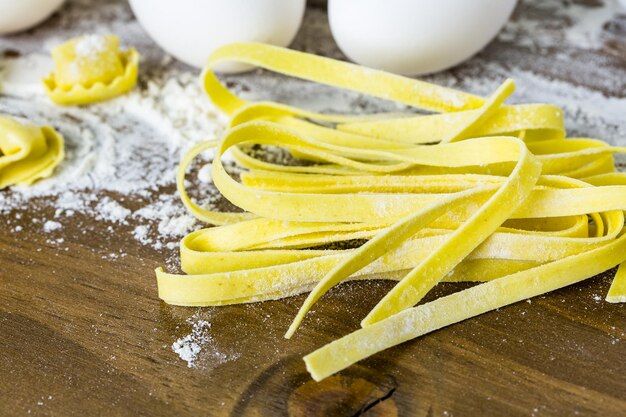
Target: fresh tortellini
<point>91,68</point>
<point>27,152</point>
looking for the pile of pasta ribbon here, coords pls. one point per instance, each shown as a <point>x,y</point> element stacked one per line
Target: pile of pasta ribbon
<point>475,190</point>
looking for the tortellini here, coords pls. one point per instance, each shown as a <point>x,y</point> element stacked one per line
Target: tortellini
<point>27,152</point>
<point>91,68</point>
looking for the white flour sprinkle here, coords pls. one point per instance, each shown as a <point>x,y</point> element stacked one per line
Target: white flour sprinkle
<point>189,346</point>
<point>90,45</point>
<point>198,347</point>
<point>111,211</point>
<point>51,226</point>
<point>581,26</point>
<point>141,234</point>
<point>204,174</point>
<point>163,218</point>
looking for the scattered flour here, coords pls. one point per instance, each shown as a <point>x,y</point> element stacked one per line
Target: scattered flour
<point>188,347</point>
<point>141,234</point>
<point>51,226</point>
<point>110,210</point>
<point>198,346</point>
<point>90,45</point>
<point>571,23</point>
<point>165,217</point>
<point>204,174</point>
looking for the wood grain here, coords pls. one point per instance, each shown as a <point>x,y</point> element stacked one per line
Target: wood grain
<point>83,333</point>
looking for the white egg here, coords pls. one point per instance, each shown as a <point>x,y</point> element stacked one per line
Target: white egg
<point>415,37</point>
<point>17,15</point>
<point>190,29</point>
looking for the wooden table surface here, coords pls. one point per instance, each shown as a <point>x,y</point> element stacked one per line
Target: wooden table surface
<point>84,334</point>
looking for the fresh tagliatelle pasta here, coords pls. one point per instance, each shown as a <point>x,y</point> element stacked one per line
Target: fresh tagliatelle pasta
<point>27,152</point>
<point>476,190</point>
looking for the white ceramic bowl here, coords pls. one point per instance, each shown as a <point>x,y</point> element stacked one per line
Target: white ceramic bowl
<point>415,36</point>
<point>191,29</point>
<point>18,15</point>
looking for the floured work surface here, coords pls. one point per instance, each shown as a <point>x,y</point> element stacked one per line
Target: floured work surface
<point>83,331</point>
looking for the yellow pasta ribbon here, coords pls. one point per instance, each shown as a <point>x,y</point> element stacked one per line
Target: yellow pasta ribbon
<point>476,191</point>
<point>27,152</point>
<point>91,68</point>
<point>462,305</point>
<point>617,292</point>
